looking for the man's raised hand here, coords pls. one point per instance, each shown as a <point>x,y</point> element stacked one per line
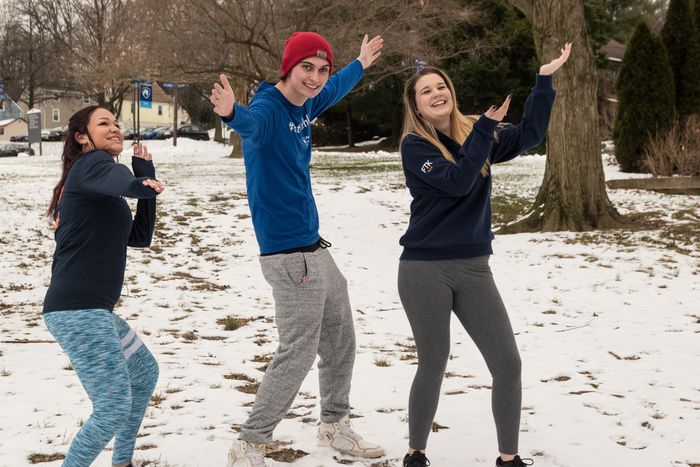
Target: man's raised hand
<point>222,97</point>
<point>370,50</point>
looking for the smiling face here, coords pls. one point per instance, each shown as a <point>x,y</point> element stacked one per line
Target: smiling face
<point>103,133</point>
<point>434,101</point>
<point>306,79</point>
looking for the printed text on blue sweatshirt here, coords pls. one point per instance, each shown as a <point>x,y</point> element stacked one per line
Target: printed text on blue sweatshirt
<point>277,151</point>
<point>94,228</point>
<point>451,207</point>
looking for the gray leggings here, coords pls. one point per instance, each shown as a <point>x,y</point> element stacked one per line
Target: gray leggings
<point>430,291</point>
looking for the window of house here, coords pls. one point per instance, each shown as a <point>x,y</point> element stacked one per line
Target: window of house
<point>86,100</point>
<point>132,107</point>
<point>56,114</point>
<point>160,110</point>
<point>2,131</point>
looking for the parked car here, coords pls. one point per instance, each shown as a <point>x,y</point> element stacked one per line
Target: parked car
<point>163,132</point>
<point>8,150</point>
<point>45,134</point>
<point>57,134</point>
<point>13,149</point>
<point>193,132</point>
<point>128,133</point>
<point>149,133</point>
<point>21,138</point>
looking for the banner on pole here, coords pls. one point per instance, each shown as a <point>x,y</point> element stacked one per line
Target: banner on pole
<point>146,95</point>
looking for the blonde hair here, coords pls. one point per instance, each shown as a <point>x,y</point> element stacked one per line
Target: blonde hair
<point>461,125</point>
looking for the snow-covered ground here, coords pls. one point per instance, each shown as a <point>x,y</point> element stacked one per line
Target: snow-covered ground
<point>607,322</point>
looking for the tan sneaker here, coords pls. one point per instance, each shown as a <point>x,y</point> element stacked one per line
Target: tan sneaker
<point>341,436</point>
<point>244,454</point>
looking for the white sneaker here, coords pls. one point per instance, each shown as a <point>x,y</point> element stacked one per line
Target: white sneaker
<point>341,436</point>
<point>244,454</point>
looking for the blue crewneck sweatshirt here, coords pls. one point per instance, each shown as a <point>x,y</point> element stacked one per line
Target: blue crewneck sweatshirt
<point>451,207</point>
<point>276,138</point>
<point>94,228</point>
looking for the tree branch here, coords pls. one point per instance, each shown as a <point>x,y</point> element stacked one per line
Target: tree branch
<point>525,7</point>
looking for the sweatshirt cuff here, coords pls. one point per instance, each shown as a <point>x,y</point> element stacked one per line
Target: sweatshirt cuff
<point>543,82</point>
<point>358,64</point>
<point>233,115</point>
<point>142,167</point>
<point>486,124</point>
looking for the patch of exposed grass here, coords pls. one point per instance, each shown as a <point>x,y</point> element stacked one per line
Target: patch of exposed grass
<point>382,361</point>
<point>231,323</point>
<point>262,358</point>
<point>37,458</point>
<point>157,399</point>
<point>287,455</point>
<point>508,208</point>
<point>250,388</point>
<point>239,377</point>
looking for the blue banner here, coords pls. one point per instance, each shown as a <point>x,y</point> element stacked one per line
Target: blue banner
<point>2,91</point>
<point>146,95</point>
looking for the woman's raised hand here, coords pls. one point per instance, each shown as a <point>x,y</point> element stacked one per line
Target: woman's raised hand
<point>142,152</point>
<point>555,64</point>
<point>497,114</point>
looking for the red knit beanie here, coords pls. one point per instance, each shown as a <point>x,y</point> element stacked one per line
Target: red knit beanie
<point>301,45</point>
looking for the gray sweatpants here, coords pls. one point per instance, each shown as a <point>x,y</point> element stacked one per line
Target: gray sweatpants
<point>430,291</point>
<point>313,317</point>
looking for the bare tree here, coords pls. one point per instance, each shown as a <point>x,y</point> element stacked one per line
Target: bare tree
<point>572,195</point>
<point>102,46</point>
<point>27,54</point>
<point>245,38</point>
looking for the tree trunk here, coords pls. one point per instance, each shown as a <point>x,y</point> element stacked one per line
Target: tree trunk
<point>348,126</point>
<point>218,134</point>
<point>236,145</point>
<point>572,195</point>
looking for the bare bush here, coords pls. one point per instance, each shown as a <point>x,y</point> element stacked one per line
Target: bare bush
<point>677,151</point>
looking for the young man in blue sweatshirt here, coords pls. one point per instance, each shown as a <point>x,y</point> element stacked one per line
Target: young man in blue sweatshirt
<point>312,308</point>
<point>444,267</point>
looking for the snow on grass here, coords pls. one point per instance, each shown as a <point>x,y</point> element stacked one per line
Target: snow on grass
<point>606,322</point>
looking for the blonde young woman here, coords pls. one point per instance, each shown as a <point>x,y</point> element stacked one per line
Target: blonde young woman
<point>444,266</point>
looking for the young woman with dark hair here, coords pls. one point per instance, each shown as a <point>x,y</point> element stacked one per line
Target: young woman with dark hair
<point>444,266</point>
<point>93,227</point>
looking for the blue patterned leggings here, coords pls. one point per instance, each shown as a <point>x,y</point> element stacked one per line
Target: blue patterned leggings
<point>118,373</point>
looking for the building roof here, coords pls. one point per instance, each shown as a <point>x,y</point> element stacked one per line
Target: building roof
<point>613,50</point>
<point>9,120</point>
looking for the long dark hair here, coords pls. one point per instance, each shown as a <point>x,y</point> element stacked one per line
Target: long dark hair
<point>72,150</point>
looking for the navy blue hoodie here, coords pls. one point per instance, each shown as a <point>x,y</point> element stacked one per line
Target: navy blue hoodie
<point>94,228</point>
<point>451,207</point>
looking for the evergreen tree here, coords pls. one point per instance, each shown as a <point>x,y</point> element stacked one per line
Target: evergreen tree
<point>683,49</point>
<point>646,97</point>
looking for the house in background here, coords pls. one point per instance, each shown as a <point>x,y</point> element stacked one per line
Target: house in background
<point>12,122</point>
<point>161,113</point>
<point>12,127</point>
<point>607,97</point>
<point>57,106</point>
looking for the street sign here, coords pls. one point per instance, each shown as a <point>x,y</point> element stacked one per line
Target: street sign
<point>34,122</point>
<point>145,95</point>
<point>170,86</point>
